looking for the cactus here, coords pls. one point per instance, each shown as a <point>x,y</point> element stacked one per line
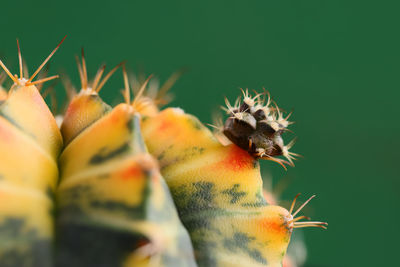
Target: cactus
<point>217,185</point>
<point>106,167</point>
<point>218,193</point>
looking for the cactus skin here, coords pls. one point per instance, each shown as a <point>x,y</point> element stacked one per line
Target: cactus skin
<point>77,118</point>
<point>218,193</point>
<point>111,191</point>
<point>30,142</point>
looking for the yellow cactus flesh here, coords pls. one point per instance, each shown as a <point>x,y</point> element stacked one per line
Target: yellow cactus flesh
<point>77,119</point>
<point>26,109</point>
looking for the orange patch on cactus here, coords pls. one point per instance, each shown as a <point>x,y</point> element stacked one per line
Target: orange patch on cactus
<point>275,226</point>
<point>165,125</point>
<point>132,172</point>
<point>6,135</point>
<point>237,159</point>
<point>3,134</point>
<point>73,106</point>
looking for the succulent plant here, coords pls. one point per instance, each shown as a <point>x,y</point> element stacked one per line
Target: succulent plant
<point>133,185</point>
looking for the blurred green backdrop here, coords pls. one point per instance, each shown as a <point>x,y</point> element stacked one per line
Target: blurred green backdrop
<point>336,63</point>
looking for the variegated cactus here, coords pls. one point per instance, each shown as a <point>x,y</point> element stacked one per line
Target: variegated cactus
<point>112,206</point>
<point>218,193</point>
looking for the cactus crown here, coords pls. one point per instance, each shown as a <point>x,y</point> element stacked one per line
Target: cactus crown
<point>256,126</point>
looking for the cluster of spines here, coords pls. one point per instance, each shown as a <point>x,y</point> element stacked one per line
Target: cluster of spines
<point>94,86</point>
<point>21,80</point>
<point>257,112</point>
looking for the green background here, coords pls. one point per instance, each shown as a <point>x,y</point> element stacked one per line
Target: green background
<point>335,63</point>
